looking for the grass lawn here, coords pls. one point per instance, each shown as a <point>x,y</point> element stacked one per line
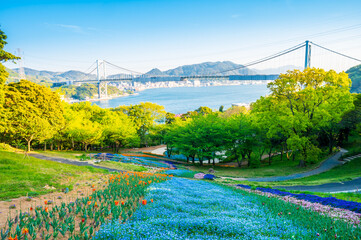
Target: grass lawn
<point>20,175</point>
<point>122,166</point>
<point>342,173</point>
<point>277,168</point>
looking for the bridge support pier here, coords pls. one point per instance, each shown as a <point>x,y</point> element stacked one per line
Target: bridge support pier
<point>102,89</point>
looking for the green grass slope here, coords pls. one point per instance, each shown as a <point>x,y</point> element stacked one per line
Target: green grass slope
<point>21,175</point>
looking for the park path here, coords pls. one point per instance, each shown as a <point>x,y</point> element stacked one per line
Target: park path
<point>71,162</point>
<point>349,186</point>
<point>326,165</point>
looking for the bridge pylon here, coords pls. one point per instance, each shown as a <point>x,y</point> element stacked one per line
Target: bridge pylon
<point>102,85</point>
<point>308,55</point>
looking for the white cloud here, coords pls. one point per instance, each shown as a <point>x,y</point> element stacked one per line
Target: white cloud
<point>73,28</point>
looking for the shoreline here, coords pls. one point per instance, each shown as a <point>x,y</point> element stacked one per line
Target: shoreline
<point>71,101</point>
<point>148,88</point>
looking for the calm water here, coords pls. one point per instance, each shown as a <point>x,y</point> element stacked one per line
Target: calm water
<point>183,99</point>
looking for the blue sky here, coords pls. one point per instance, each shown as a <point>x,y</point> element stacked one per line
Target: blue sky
<point>141,35</point>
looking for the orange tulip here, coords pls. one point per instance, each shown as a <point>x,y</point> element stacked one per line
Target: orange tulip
<point>25,231</point>
<point>90,197</point>
<point>46,202</point>
<point>144,202</point>
<point>93,189</point>
<point>93,186</point>
<point>122,202</point>
<point>89,202</point>
<point>95,205</point>
<point>31,208</point>
<point>116,203</point>
<point>151,200</point>
<point>46,209</point>
<point>15,238</point>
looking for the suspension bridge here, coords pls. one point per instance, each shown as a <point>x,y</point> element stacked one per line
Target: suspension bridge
<point>127,75</point>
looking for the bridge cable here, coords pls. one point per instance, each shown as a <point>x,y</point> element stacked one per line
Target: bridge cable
<point>336,52</point>
<point>266,58</point>
<point>128,70</point>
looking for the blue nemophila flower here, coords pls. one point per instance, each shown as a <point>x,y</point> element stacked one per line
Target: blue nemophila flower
<point>186,209</point>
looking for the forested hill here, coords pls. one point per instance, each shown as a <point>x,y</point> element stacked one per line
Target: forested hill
<point>203,69</point>
<point>49,76</point>
<point>355,75</point>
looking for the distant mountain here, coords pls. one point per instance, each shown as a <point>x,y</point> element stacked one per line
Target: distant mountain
<point>206,68</point>
<point>49,76</point>
<point>355,75</point>
<point>156,72</point>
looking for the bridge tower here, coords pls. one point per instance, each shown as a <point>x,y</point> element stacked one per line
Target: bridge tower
<point>308,55</point>
<point>102,85</point>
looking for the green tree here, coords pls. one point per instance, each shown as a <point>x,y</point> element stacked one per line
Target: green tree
<point>240,138</point>
<point>4,56</point>
<point>303,102</point>
<point>34,112</point>
<point>144,115</point>
<point>120,130</point>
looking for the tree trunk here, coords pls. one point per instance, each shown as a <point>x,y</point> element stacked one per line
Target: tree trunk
<point>187,159</point>
<point>29,145</point>
<point>239,162</point>
<point>45,146</point>
<point>214,163</point>
<point>209,161</point>
<point>193,159</point>
<point>302,163</point>
<point>269,156</point>
<point>85,147</point>
<point>282,150</point>
<point>51,146</point>
<point>72,144</point>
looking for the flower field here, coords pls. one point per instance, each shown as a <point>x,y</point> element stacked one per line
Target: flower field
<point>331,201</point>
<point>190,209</point>
<point>115,200</point>
<point>346,210</point>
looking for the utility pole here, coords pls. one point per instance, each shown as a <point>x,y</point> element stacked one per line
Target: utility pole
<point>308,55</point>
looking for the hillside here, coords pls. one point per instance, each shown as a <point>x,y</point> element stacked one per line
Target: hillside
<point>203,69</point>
<point>355,75</point>
<point>48,76</point>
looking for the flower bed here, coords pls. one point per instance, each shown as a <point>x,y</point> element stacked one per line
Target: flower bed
<point>315,203</point>
<point>329,201</point>
<point>188,209</point>
<point>116,200</point>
